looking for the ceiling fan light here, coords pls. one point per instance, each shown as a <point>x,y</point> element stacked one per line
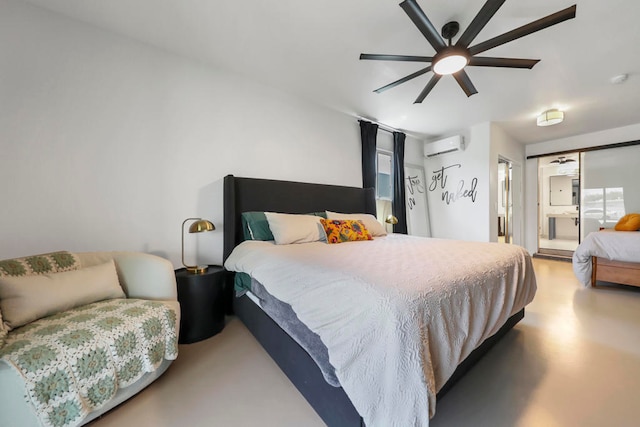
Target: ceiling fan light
<point>550,117</point>
<point>450,64</point>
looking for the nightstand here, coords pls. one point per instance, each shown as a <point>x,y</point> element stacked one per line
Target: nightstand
<point>202,303</point>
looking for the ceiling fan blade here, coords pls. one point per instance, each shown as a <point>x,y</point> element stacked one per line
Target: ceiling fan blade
<point>403,80</point>
<point>525,30</point>
<point>465,82</point>
<point>425,26</point>
<point>427,88</point>
<point>396,57</point>
<point>502,62</point>
<point>486,13</point>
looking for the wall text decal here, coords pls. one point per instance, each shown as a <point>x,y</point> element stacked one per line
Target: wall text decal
<point>439,181</point>
<point>414,185</point>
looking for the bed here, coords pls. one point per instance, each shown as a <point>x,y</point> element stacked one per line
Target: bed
<point>334,404</point>
<point>608,256</point>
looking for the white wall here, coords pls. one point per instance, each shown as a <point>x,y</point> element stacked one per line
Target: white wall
<point>108,144</point>
<point>464,217</point>
<point>609,136</point>
<point>413,150</point>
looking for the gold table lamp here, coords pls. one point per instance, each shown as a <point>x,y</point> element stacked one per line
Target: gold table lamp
<point>198,226</point>
<point>391,220</point>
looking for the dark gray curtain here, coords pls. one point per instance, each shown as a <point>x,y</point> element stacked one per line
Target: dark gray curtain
<point>368,133</point>
<point>399,207</point>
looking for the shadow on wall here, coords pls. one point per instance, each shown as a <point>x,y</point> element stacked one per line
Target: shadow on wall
<point>161,254</point>
<point>210,205</point>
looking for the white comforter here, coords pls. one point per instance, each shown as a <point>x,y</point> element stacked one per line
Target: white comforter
<point>609,244</point>
<point>398,313</point>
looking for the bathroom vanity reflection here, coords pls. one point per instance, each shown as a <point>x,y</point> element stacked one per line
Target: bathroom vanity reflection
<point>564,190</point>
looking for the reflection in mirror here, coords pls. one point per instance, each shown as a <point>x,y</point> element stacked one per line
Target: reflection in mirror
<point>575,191</point>
<point>561,191</point>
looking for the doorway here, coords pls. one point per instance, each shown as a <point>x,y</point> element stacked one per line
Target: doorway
<point>505,204</point>
<point>510,222</point>
<point>558,204</point>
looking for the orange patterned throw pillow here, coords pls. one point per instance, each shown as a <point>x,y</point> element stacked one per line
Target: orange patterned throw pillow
<point>629,222</point>
<point>345,230</point>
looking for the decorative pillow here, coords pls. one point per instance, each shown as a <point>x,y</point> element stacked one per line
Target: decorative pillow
<point>25,299</point>
<point>53,262</point>
<point>373,225</point>
<point>629,222</point>
<point>256,227</point>
<point>293,228</point>
<point>345,230</point>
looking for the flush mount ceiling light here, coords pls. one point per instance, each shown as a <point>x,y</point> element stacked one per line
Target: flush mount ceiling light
<point>550,117</point>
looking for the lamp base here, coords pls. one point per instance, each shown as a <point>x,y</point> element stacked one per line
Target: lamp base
<point>197,269</point>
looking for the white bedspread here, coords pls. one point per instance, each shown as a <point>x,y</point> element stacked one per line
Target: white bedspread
<point>398,313</point>
<point>610,244</point>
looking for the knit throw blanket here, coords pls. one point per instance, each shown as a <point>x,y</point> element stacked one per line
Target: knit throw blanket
<point>74,362</point>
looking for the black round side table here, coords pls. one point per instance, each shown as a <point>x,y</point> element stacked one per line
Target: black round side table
<point>202,303</point>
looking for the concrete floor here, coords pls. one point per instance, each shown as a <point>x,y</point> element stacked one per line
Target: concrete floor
<point>573,361</point>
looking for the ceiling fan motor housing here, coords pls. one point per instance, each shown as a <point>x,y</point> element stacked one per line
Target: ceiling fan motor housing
<point>450,29</point>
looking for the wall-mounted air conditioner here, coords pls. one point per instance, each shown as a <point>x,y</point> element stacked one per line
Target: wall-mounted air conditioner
<point>447,145</point>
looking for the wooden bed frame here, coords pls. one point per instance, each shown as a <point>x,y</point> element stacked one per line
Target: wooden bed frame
<point>249,194</point>
<point>626,273</point>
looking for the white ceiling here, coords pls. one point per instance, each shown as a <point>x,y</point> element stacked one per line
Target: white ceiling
<point>311,48</point>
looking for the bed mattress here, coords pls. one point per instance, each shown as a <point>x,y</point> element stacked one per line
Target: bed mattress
<point>286,318</point>
<point>397,314</point>
<point>610,244</point>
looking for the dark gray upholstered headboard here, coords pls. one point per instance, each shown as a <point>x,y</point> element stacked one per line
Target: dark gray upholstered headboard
<point>251,194</point>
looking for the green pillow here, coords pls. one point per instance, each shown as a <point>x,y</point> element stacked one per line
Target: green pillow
<point>256,227</point>
<point>242,283</point>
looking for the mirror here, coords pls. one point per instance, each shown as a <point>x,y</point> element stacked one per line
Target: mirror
<point>575,191</point>
<point>561,191</point>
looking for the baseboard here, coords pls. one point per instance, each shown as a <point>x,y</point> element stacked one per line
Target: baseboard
<point>553,257</point>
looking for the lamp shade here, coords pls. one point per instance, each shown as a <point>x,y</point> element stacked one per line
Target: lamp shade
<point>550,117</point>
<point>199,225</point>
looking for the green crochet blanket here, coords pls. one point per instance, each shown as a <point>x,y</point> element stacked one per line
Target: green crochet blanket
<point>74,362</point>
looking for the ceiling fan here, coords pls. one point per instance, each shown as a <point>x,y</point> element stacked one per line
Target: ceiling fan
<point>451,59</point>
<point>561,160</point>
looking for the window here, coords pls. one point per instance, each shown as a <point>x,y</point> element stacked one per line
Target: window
<point>384,176</point>
<point>604,204</point>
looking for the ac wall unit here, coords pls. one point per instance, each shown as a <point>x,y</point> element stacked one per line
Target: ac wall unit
<point>447,145</point>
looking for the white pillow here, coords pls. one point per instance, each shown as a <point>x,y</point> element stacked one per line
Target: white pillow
<point>370,222</point>
<point>292,228</point>
<point>28,298</point>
